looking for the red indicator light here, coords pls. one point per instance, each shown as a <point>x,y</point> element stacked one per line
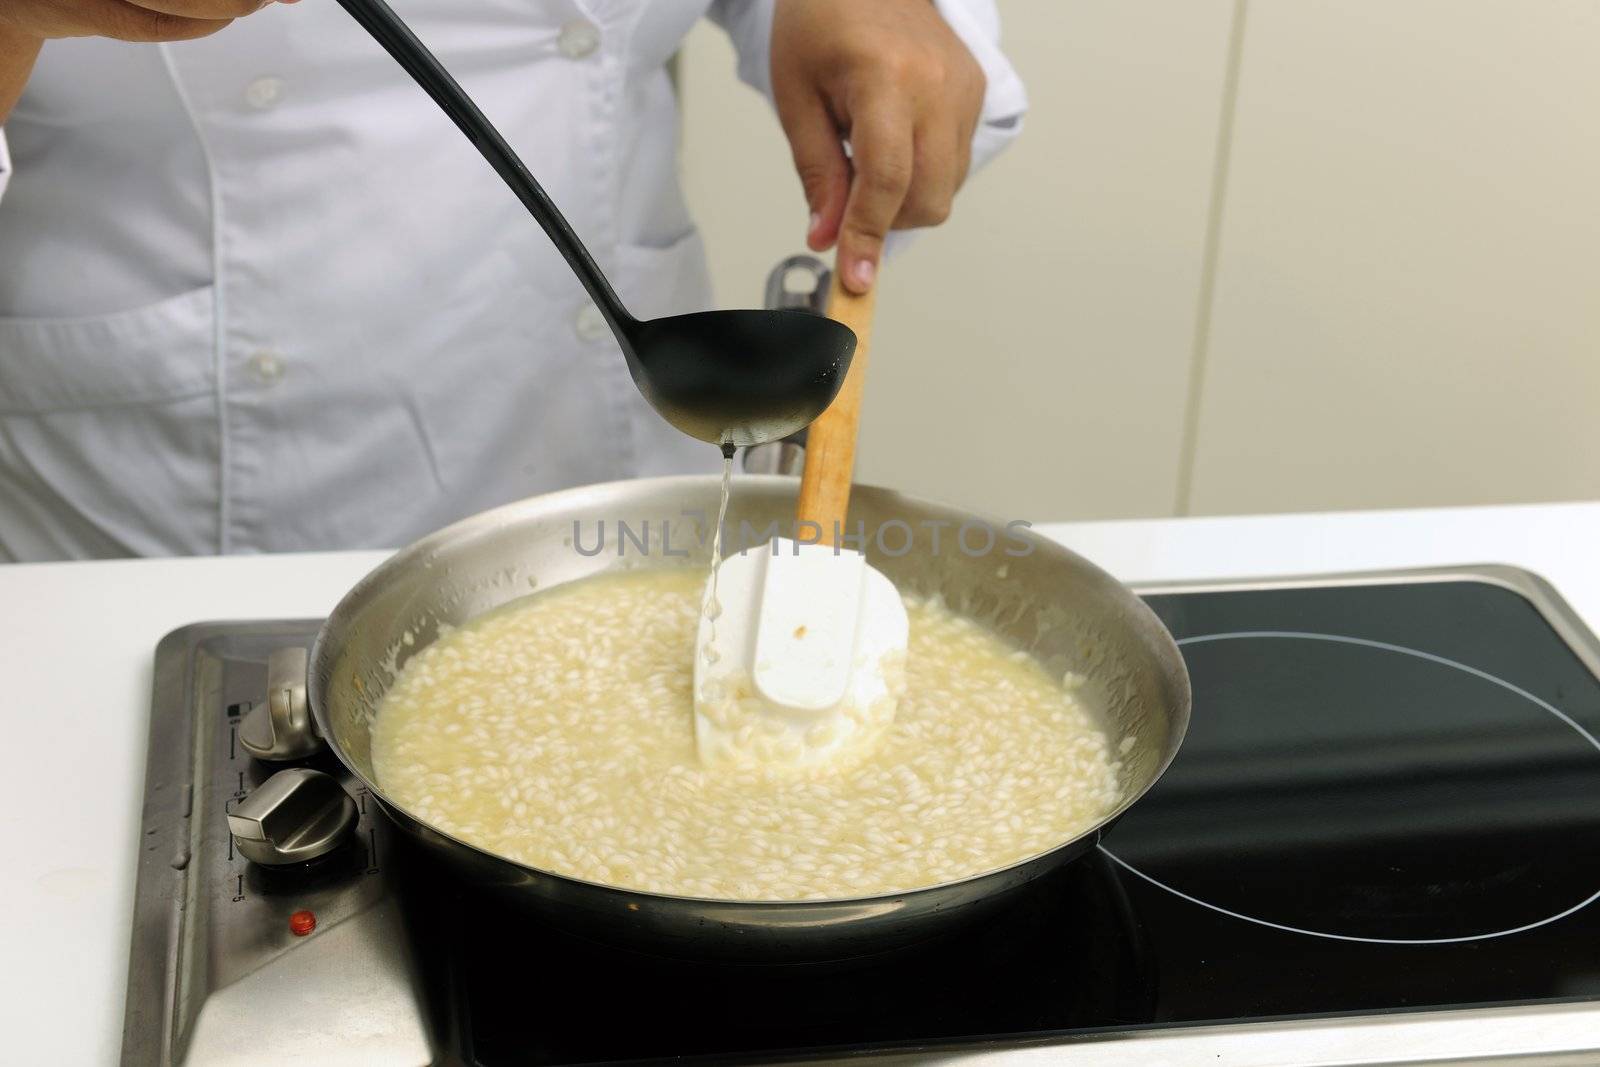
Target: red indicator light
<point>302,923</point>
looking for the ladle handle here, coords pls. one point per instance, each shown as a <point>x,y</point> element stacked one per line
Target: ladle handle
<point>379,20</point>
<point>831,439</point>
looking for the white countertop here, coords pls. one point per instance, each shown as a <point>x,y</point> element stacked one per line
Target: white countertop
<point>77,639</point>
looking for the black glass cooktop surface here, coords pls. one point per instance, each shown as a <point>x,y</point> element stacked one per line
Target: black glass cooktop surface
<point>1388,799</point>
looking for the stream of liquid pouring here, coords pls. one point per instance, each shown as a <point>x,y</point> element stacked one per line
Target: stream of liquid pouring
<point>713,607</point>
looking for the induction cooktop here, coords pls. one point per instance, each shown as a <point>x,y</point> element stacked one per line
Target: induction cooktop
<point>1380,840</point>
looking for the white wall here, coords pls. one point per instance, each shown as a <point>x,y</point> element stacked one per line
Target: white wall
<point>1248,256</point>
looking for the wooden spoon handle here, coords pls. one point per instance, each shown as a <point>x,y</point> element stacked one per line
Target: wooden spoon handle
<point>831,439</point>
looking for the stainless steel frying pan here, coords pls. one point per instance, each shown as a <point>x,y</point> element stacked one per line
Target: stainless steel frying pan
<point>1064,610</point>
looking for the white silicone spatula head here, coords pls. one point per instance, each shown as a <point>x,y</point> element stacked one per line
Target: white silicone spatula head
<point>808,648</point>
<point>808,663</point>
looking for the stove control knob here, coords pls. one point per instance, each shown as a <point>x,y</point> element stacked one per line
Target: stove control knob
<point>292,817</point>
<point>281,728</point>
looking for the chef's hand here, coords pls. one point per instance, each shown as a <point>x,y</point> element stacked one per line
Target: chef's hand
<point>893,79</point>
<point>126,20</point>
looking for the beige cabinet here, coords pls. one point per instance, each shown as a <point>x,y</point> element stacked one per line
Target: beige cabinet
<point>1406,308</point>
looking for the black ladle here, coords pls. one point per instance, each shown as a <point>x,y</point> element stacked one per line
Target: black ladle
<point>727,377</point>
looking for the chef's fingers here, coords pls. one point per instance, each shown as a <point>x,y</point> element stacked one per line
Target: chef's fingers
<point>18,50</point>
<point>117,19</point>
<point>882,158</point>
<point>216,10</point>
<point>133,22</point>
<point>939,164</point>
<point>820,162</point>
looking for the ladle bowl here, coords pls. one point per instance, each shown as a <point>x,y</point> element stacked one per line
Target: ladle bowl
<point>720,376</point>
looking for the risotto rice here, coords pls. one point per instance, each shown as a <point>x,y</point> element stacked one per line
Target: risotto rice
<point>558,731</point>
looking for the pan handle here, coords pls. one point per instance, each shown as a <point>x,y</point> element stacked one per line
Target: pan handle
<point>809,296</point>
<point>783,293</point>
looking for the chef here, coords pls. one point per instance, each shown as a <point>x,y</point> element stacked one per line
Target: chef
<point>258,294</point>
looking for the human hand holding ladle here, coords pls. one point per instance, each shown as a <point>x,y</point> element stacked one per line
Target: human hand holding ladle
<point>726,377</point>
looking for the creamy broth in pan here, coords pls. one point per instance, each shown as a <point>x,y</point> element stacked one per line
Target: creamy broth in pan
<point>558,731</point>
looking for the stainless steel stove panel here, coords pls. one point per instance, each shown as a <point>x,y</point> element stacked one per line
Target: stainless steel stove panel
<point>216,974</point>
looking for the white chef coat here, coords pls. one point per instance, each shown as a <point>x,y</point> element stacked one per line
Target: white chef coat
<point>257,293</point>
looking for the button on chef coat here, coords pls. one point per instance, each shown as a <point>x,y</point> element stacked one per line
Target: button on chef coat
<point>264,92</point>
<point>258,294</point>
<point>579,38</point>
